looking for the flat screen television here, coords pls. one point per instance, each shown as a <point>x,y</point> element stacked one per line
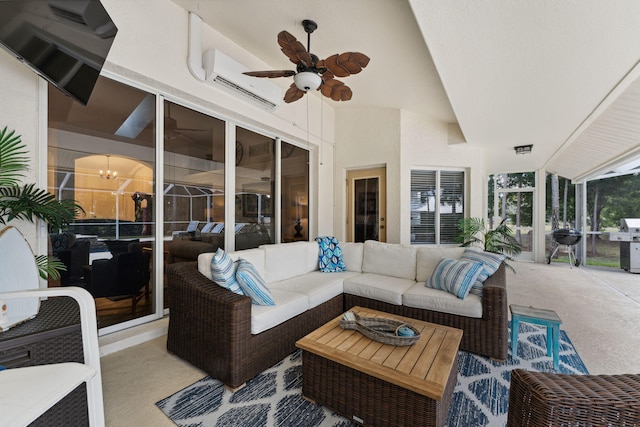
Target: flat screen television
<point>64,41</point>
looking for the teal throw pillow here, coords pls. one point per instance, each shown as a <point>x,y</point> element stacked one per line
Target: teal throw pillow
<point>330,255</point>
<point>454,276</point>
<point>252,284</point>
<point>490,264</point>
<point>223,271</point>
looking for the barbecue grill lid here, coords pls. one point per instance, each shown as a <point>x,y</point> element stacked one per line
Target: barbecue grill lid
<point>630,225</point>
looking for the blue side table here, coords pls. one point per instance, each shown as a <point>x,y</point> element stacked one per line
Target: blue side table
<point>537,316</point>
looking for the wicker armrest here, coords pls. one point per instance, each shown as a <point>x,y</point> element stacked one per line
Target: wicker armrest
<point>208,324</point>
<point>494,295</point>
<point>549,399</point>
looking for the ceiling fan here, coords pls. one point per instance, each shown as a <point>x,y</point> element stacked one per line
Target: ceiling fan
<point>311,72</point>
<point>171,129</point>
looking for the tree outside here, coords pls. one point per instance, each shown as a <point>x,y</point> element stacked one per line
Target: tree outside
<point>608,201</point>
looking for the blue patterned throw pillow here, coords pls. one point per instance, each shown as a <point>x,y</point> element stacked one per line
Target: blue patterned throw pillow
<point>223,271</point>
<point>252,284</point>
<point>330,255</point>
<point>490,264</point>
<point>454,276</point>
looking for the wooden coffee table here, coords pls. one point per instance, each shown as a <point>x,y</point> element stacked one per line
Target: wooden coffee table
<point>381,385</point>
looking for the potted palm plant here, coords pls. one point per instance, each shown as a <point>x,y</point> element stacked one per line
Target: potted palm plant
<point>499,240</point>
<point>26,201</point>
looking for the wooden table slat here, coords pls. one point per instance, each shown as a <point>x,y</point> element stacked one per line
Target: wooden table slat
<point>423,367</point>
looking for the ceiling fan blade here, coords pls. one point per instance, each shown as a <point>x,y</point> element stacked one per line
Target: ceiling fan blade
<point>293,94</point>
<point>271,74</point>
<point>294,50</point>
<point>345,64</point>
<point>336,90</point>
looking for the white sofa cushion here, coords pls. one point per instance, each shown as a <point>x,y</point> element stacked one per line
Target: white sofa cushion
<point>352,255</point>
<point>254,256</point>
<point>288,305</point>
<point>317,286</point>
<point>428,257</point>
<point>379,287</point>
<point>419,296</point>
<point>286,260</point>
<point>389,259</point>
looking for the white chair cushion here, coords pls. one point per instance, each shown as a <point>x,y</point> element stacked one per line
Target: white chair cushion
<point>288,305</point>
<point>352,255</point>
<point>419,296</point>
<point>428,257</point>
<point>389,259</point>
<point>317,286</point>
<point>375,286</point>
<point>286,260</point>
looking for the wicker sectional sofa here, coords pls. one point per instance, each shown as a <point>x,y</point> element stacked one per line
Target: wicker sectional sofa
<point>233,340</point>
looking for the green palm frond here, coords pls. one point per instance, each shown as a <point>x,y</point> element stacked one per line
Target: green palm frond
<point>13,158</point>
<point>500,240</point>
<point>26,201</point>
<point>49,266</point>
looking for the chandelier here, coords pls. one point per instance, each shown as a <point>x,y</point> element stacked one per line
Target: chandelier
<point>109,173</point>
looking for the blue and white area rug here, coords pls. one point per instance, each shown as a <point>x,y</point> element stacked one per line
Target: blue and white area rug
<point>274,398</point>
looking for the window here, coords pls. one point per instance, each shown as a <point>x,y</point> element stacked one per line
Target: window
<point>437,205</point>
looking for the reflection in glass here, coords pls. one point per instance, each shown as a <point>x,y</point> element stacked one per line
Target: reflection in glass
<point>295,193</point>
<point>193,173</point>
<point>366,204</point>
<point>118,222</point>
<point>255,180</point>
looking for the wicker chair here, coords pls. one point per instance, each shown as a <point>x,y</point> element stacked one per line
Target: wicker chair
<point>549,399</point>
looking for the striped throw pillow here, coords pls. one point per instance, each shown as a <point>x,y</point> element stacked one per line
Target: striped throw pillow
<point>490,264</point>
<point>223,271</point>
<point>454,276</point>
<point>252,284</point>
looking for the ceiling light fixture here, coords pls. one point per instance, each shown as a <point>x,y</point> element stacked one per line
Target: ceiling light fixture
<point>307,80</point>
<point>109,174</point>
<point>523,149</point>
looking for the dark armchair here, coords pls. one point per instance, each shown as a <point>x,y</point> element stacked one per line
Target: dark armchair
<point>550,399</point>
<point>123,276</point>
<point>73,253</point>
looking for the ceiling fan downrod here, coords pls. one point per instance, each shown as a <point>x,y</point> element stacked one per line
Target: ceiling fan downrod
<point>309,27</point>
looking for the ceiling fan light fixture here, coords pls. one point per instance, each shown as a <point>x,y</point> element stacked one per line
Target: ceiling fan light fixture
<point>307,80</point>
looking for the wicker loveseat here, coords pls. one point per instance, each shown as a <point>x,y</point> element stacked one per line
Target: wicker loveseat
<point>233,340</point>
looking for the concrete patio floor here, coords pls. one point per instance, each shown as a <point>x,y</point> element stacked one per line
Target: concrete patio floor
<point>600,310</point>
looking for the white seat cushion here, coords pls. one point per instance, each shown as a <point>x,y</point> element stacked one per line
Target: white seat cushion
<point>389,259</point>
<point>428,257</point>
<point>288,305</point>
<point>286,260</point>
<point>317,286</point>
<point>419,296</point>
<point>352,255</point>
<point>376,286</point>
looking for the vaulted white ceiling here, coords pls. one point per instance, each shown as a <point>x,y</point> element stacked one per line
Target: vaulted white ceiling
<point>560,75</point>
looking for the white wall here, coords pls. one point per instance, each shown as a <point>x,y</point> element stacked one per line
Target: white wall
<point>19,111</point>
<point>400,140</point>
<point>367,138</point>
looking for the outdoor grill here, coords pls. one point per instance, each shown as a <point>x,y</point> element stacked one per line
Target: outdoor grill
<point>629,238</point>
<point>568,237</point>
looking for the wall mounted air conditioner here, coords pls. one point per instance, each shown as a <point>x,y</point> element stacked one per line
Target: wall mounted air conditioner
<point>225,72</point>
